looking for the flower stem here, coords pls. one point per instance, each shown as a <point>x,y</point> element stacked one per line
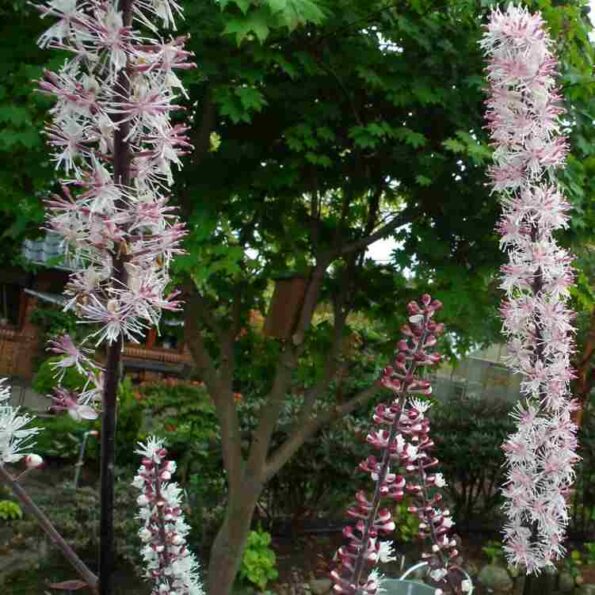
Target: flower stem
<point>122,156</point>
<point>107,479</point>
<point>376,499</point>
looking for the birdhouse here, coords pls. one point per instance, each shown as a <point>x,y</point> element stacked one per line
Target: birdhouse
<point>285,307</point>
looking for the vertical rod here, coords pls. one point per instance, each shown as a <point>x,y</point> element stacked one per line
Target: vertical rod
<point>121,161</point>
<point>108,455</point>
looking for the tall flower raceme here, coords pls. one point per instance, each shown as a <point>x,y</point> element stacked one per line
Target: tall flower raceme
<point>524,114</point>
<point>114,141</point>
<point>169,565</point>
<point>401,466</point>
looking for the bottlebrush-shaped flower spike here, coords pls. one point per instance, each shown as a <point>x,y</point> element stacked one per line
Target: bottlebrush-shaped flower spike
<point>524,119</point>
<point>169,565</point>
<point>120,82</point>
<point>400,439</point>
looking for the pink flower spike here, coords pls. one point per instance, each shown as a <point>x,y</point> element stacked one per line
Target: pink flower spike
<point>524,118</point>
<point>401,439</point>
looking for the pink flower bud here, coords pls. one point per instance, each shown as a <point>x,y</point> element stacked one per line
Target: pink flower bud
<point>33,461</point>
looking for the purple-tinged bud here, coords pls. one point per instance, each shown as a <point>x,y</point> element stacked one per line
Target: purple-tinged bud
<point>406,331</point>
<point>413,308</point>
<point>403,346</point>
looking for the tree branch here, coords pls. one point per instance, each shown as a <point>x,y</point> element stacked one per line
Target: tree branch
<point>219,390</point>
<point>381,232</point>
<point>203,311</point>
<point>201,136</point>
<point>273,402</point>
<point>305,431</point>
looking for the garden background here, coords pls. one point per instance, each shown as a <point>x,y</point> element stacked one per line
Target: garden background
<point>338,171</point>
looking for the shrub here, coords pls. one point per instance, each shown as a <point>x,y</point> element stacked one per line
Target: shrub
<point>259,560</point>
<point>468,433</point>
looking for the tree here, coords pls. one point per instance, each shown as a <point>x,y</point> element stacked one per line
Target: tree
<point>26,171</point>
<point>364,123</point>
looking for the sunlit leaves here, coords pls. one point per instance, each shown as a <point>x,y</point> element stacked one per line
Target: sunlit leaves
<point>251,19</point>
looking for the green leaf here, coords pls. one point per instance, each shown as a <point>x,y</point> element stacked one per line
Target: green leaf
<point>251,98</point>
<point>410,137</point>
<point>255,22</point>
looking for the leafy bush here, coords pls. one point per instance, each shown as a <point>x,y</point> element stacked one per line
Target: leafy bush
<point>60,438</point>
<point>45,380</point>
<point>468,433</point>
<point>182,413</point>
<point>406,521</point>
<point>318,481</point>
<point>259,561</point>
<point>583,503</point>
<point>53,321</point>
<point>10,511</point>
<point>75,514</point>
<point>494,551</point>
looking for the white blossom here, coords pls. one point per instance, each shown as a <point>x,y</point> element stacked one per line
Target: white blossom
<point>119,78</point>
<point>16,436</point>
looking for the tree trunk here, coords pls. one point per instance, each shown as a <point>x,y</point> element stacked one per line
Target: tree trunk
<point>228,547</point>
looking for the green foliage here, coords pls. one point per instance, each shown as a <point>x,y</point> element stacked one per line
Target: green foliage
<point>494,552</point>
<point>583,502</point>
<point>53,321</point>
<point>255,19</point>
<point>468,433</point>
<point>407,522</point>
<point>61,438</point>
<point>75,514</point>
<point>26,171</point>
<point>45,379</point>
<point>10,510</point>
<point>363,100</point>
<point>183,414</point>
<point>130,423</point>
<point>320,481</point>
<point>577,558</point>
<point>572,563</point>
<point>259,560</point>
<point>589,552</point>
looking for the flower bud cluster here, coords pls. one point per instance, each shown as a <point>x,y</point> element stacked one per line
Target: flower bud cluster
<point>524,119</point>
<point>423,488</point>
<point>396,438</point>
<point>114,141</point>
<point>170,566</point>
